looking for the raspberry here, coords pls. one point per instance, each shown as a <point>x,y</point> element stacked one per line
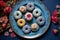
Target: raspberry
<point>57,6</point>
<point>4,25</point>
<point>55,31</point>
<point>2,4</point>
<point>54,19</point>
<point>7,10</point>
<point>13,35</point>
<point>55,13</point>
<point>6,34</point>
<point>10,30</point>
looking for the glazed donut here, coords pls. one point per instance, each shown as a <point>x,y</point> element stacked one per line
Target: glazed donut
<point>30,6</point>
<point>34,27</point>
<point>21,22</point>
<point>41,20</point>
<point>28,16</point>
<point>23,9</point>
<point>17,14</point>
<point>26,29</point>
<point>37,12</point>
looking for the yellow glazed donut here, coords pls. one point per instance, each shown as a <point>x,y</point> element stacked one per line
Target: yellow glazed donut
<point>21,22</point>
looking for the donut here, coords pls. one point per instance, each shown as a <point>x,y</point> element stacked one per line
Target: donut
<point>28,16</point>
<point>22,9</point>
<point>41,20</point>
<point>17,14</point>
<point>30,6</point>
<point>36,12</point>
<point>34,27</point>
<point>26,29</point>
<point>21,22</point>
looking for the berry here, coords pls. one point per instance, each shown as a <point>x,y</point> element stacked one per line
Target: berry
<point>55,31</point>
<point>6,34</point>
<point>55,13</point>
<point>1,0</point>
<point>7,10</point>
<point>5,19</point>
<point>59,28</point>
<point>54,16</point>
<point>13,35</point>
<point>10,30</point>
<point>2,4</point>
<point>4,25</point>
<point>1,21</point>
<point>57,6</point>
<point>54,19</point>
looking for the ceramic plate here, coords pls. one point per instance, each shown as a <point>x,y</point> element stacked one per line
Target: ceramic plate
<point>45,14</point>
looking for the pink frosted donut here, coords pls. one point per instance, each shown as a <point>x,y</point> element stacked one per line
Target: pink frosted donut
<point>28,16</point>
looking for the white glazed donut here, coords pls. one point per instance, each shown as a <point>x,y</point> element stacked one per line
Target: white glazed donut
<point>17,14</point>
<point>37,12</point>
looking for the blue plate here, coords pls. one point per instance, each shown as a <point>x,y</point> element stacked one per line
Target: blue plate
<point>45,13</point>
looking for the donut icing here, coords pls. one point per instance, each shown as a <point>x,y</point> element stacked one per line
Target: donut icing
<point>28,16</point>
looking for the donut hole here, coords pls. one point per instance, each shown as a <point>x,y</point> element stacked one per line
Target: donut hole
<point>30,6</point>
<point>40,20</point>
<point>36,12</point>
<point>17,14</point>
<point>26,29</point>
<point>21,22</point>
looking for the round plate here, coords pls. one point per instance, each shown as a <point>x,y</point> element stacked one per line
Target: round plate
<point>45,13</point>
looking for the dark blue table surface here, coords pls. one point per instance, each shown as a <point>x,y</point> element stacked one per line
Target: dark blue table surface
<point>51,4</point>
